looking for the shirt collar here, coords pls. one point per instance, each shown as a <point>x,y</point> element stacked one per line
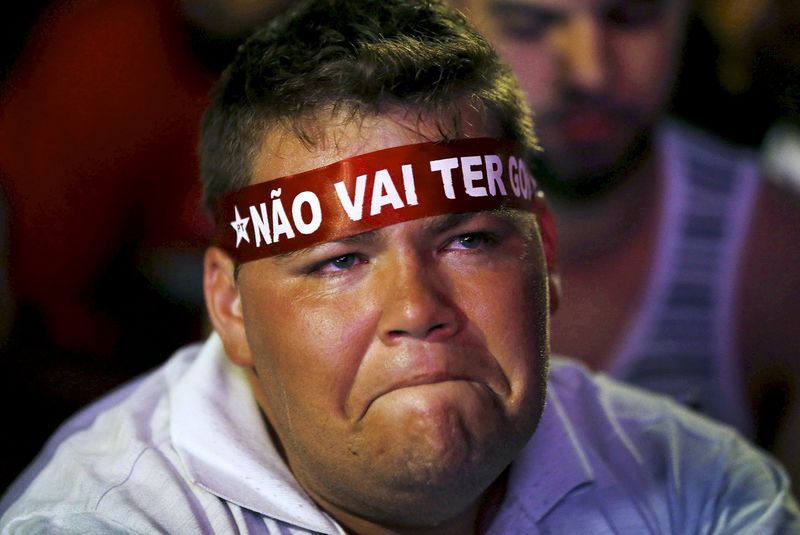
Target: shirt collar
<point>552,464</point>
<point>217,430</point>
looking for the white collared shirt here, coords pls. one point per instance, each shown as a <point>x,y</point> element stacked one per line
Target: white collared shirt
<point>185,450</point>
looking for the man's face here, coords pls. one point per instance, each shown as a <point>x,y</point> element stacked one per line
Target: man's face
<point>404,364</point>
<point>597,73</point>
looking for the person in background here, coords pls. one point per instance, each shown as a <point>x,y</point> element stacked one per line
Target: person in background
<point>98,128</point>
<point>380,287</point>
<point>680,259</point>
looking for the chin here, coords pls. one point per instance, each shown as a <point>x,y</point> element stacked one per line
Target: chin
<point>434,435</point>
<point>596,173</point>
<point>437,487</point>
<point>452,459</point>
<point>432,462</point>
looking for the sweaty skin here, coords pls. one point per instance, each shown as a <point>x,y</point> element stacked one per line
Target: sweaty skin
<point>402,369</point>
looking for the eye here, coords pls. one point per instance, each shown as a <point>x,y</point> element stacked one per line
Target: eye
<point>634,13</point>
<point>525,22</point>
<point>473,240</point>
<point>338,264</point>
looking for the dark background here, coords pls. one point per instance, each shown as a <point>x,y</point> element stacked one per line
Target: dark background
<point>736,85</point>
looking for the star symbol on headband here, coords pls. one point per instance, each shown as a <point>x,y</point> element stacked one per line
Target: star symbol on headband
<point>240,226</point>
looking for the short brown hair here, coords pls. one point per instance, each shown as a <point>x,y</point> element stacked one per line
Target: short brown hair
<point>358,56</point>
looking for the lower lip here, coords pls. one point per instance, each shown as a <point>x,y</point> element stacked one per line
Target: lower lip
<point>442,385</point>
<point>434,381</point>
<point>444,393</point>
<point>459,391</point>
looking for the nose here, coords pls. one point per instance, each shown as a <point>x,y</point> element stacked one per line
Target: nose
<point>416,304</point>
<point>580,45</point>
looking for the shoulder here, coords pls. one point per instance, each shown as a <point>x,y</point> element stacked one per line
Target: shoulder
<point>769,284</point>
<point>604,409</point>
<point>663,454</point>
<point>69,523</point>
<point>770,279</point>
<point>769,318</point>
<point>113,453</point>
<point>627,409</point>
<point>653,426</point>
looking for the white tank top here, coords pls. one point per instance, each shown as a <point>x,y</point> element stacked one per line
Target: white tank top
<point>682,342</point>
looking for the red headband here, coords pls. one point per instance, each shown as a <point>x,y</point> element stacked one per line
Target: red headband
<point>377,189</point>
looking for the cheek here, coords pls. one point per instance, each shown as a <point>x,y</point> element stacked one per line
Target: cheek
<point>536,69</point>
<point>510,309</point>
<point>310,358</point>
<point>645,64</point>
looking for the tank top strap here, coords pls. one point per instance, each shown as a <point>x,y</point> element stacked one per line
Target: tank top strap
<point>683,340</point>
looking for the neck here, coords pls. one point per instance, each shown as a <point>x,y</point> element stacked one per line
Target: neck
<point>597,227</point>
<point>474,520</point>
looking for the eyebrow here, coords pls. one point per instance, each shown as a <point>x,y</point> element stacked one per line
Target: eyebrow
<point>368,237</point>
<point>436,225</point>
<point>516,7</point>
<point>441,224</point>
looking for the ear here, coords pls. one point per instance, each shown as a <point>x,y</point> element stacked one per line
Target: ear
<point>554,286</point>
<point>547,232</point>
<point>224,305</point>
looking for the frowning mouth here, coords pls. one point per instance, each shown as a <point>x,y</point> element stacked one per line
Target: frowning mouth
<point>424,380</point>
<point>459,370</point>
<point>427,379</point>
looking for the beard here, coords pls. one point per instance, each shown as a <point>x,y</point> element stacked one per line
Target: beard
<point>583,164</point>
<point>598,182</point>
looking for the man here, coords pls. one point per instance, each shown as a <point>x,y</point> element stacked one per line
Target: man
<point>380,291</point>
<point>679,262</point>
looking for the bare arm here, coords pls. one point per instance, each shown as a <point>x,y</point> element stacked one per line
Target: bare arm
<point>769,333</point>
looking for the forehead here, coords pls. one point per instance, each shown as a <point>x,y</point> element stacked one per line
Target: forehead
<point>360,175</point>
<point>338,137</point>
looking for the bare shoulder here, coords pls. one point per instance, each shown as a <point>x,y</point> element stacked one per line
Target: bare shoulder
<point>769,303</point>
<point>769,321</point>
<point>776,219</point>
